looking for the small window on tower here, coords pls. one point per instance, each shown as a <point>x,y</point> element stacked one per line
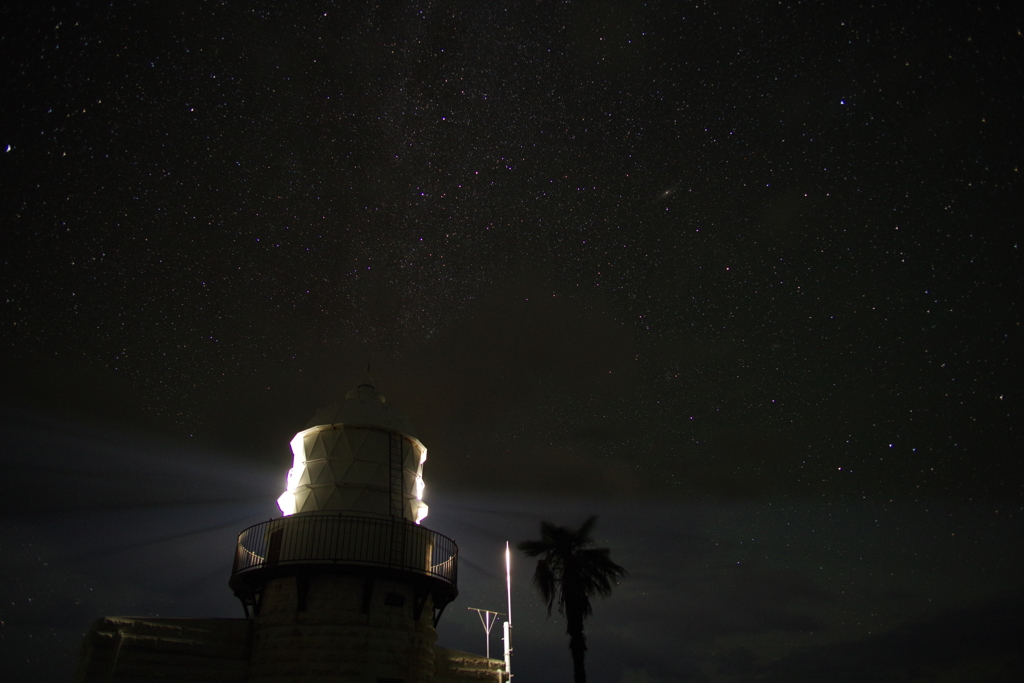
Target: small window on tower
<point>393,600</point>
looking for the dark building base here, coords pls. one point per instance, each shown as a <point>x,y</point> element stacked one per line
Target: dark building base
<point>139,650</point>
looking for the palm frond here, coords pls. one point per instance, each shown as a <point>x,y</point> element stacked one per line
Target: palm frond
<point>533,548</point>
<point>546,583</point>
<point>583,533</point>
<point>568,572</point>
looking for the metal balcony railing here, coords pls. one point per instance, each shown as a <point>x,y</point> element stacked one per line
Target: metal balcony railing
<point>346,540</point>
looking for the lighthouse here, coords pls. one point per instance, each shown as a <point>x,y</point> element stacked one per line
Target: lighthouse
<point>347,582</point>
<point>346,586</point>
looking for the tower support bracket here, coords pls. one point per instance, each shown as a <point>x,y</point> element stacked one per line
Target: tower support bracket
<point>420,595</point>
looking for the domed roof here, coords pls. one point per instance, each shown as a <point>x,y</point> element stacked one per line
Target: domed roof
<point>364,405</point>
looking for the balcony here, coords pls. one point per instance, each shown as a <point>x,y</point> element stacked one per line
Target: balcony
<point>301,544</point>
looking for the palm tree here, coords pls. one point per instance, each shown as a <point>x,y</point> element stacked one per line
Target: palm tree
<point>570,572</point>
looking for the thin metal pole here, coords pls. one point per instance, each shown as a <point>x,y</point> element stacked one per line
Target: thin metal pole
<point>508,622</point>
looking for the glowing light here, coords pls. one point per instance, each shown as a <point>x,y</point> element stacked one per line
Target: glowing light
<point>287,503</point>
<point>421,512</point>
<point>508,579</point>
<point>311,447</point>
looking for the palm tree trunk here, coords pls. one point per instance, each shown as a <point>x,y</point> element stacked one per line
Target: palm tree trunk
<point>577,645</point>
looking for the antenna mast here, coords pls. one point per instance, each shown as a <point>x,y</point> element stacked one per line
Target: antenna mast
<point>487,619</point>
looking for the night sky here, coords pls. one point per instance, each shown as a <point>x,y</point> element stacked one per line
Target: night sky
<point>742,279</point>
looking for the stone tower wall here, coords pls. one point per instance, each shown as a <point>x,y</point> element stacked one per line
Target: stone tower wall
<point>335,640</point>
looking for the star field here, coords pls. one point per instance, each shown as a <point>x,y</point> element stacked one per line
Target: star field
<point>756,255</point>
